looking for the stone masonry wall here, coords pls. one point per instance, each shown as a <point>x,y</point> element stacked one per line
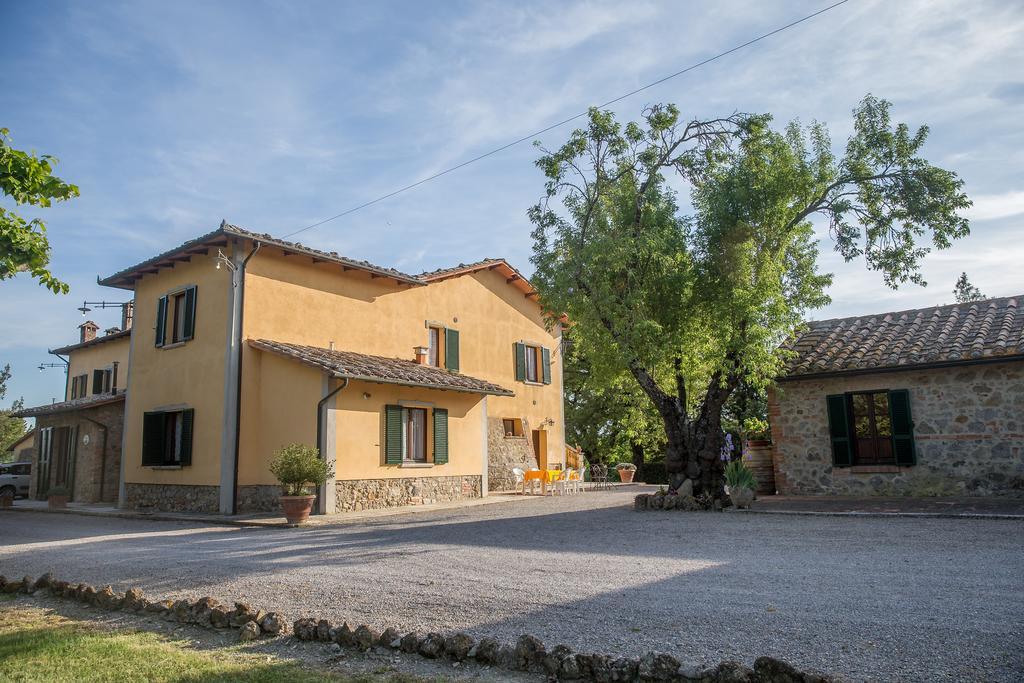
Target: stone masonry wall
<point>173,497</point>
<point>506,452</point>
<point>368,494</point>
<point>96,477</point>
<point>968,432</point>
<point>259,498</point>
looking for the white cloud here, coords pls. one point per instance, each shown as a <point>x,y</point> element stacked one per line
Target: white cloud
<point>991,206</point>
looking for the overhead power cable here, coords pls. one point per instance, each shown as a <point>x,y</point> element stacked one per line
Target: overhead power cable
<point>534,134</point>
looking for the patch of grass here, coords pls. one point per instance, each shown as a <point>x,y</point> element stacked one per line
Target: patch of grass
<point>36,645</point>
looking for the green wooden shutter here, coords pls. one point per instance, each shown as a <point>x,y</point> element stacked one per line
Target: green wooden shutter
<point>393,435</point>
<point>519,351</point>
<point>161,319</point>
<point>185,456</point>
<point>902,427</point>
<point>440,436</point>
<point>545,365</point>
<point>153,438</point>
<point>839,430</point>
<point>74,387</point>
<point>451,349</point>
<point>190,314</point>
<point>97,381</point>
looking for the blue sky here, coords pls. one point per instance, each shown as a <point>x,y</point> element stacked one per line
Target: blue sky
<point>274,115</point>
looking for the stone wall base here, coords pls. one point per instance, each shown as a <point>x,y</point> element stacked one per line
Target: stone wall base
<point>506,452</point>
<point>173,497</point>
<point>369,494</point>
<point>259,498</point>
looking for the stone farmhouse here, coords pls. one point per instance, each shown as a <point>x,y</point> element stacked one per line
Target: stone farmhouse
<point>919,402</point>
<point>77,441</point>
<point>416,388</point>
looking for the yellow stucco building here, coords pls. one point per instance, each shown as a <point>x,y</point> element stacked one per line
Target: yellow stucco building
<point>417,388</point>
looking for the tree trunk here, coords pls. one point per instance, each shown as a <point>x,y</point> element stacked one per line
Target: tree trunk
<point>638,454</point>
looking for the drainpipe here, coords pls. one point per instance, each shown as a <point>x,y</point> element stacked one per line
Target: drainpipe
<point>103,454</point>
<point>67,372</point>
<point>322,490</point>
<point>233,385</point>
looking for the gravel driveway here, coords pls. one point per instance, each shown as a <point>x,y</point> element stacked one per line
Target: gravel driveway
<point>862,598</point>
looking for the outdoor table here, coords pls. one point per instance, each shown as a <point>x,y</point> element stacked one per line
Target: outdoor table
<point>543,476</point>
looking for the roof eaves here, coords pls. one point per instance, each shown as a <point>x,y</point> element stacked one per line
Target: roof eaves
<point>92,342</point>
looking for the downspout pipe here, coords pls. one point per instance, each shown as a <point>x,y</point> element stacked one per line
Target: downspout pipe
<point>320,431</point>
<point>239,277</point>
<point>67,372</point>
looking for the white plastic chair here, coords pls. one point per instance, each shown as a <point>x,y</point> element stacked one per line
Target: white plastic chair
<point>576,481</point>
<point>563,484</point>
<point>520,476</point>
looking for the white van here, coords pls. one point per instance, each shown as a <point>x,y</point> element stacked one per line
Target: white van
<point>14,478</point>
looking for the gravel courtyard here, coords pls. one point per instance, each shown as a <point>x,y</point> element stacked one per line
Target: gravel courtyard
<point>860,598</point>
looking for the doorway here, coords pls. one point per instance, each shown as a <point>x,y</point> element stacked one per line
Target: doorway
<point>540,448</point>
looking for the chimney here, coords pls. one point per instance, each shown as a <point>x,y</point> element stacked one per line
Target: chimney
<point>112,330</point>
<point>422,353</point>
<point>127,313</point>
<point>88,329</point>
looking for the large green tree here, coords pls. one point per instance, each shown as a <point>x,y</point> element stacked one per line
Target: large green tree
<point>692,303</point>
<point>11,428</point>
<point>28,179</point>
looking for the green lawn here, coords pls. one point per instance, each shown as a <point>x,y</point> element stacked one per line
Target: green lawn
<point>36,645</point>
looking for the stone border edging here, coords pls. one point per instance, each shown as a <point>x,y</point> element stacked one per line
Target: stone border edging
<point>654,501</point>
<point>527,655</point>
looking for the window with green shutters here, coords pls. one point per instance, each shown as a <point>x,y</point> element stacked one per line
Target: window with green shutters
<point>176,317</point>
<point>167,438</point>
<point>871,428</point>
<point>405,435</point>
<point>393,445</point>
<point>440,436</point>
<point>532,363</point>
<point>839,431</point>
<point>451,349</point>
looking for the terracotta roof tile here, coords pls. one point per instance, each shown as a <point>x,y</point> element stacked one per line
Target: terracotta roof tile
<point>90,401</point>
<point>124,277</point>
<point>120,334</point>
<point>978,330</point>
<point>360,366</point>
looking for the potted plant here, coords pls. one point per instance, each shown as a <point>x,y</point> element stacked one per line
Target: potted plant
<point>740,481</point>
<point>57,497</point>
<point>298,468</point>
<point>6,498</point>
<point>626,471</point>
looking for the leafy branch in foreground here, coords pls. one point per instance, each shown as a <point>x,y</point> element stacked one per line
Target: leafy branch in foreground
<point>28,179</point>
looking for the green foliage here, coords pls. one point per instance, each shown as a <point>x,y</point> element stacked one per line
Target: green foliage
<point>607,419</point>
<point>39,646</point>
<point>964,291</point>
<point>299,467</point>
<point>691,304</point>
<point>11,428</point>
<point>739,476</point>
<point>28,179</point>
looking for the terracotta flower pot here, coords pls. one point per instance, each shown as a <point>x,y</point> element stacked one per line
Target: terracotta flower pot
<point>626,476</point>
<point>6,501</point>
<point>297,508</point>
<point>742,498</point>
<point>57,502</point>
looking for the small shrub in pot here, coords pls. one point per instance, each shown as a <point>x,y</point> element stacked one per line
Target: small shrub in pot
<point>741,482</point>
<point>626,470</point>
<point>57,497</point>
<point>299,470</point>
